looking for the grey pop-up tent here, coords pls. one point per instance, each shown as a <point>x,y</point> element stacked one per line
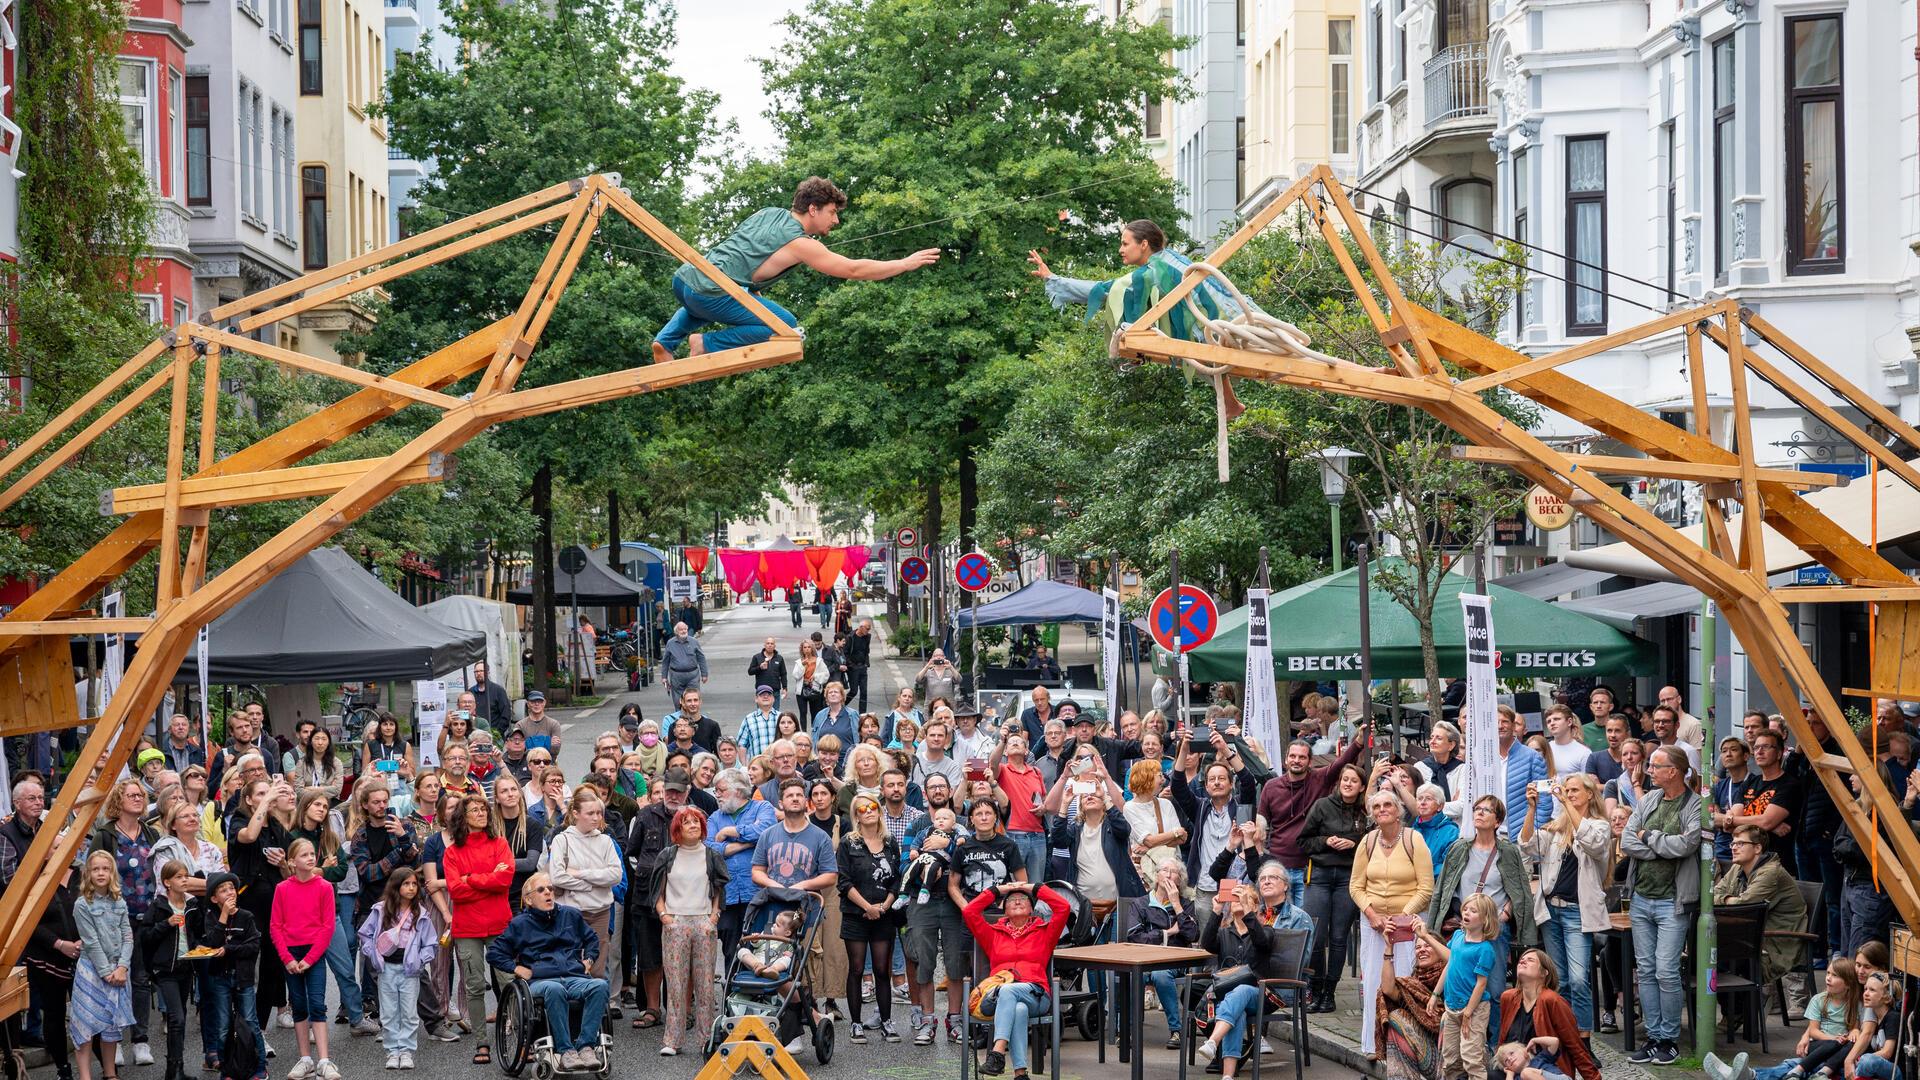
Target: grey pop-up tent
<point>597,585</point>
<point>326,619</point>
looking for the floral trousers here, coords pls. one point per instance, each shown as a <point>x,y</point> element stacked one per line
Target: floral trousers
<point>686,952</point>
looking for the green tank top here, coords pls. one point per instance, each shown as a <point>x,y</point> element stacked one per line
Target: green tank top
<point>742,253</point>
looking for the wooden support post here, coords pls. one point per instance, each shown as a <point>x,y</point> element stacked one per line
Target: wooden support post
<point>1383,323</point>
<point>315,366</point>
<point>169,584</point>
<point>1753,553</point>
<point>1718,542</point>
<point>557,250</point>
<point>198,539</point>
<point>270,485</point>
<point>1674,470</point>
<point>1593,347</point>
<point>1396,300</point>
<point>1832,379</point>
<point>73,446</point>
<point>536,325</point>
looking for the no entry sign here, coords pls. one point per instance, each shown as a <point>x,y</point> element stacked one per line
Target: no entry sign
<point>913,570</point>
<point>1195,625</point>
<point>973,571</point>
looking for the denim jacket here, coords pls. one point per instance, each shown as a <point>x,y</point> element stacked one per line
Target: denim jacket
<point>420,951</point>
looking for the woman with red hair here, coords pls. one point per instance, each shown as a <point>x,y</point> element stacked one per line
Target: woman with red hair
<point>688,886</point>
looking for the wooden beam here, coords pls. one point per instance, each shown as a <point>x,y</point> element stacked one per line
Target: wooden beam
<point>1392,335</point>
<point>624,205</point>
<point>1844,594</point>
<point>1387,385</point>
<point>408,246</point>
<point>169,583</point>
<point>1594,347</point>
<point>1396,299</point>
<point>557,248</point>
<point>317,366</point>
<point>653,377</point>
<point>272,485</point>
<point>83,405</point>
<point>79,627</point>
<point>1673,470</point>
<point>73,446</point>
<point>198,541</point>
<point>1717,542</point>
<point>401,269</point>
<point>1834,381</point>
<point>515,361</point>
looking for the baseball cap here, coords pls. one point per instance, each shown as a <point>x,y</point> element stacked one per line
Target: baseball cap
<point>675,780</point>
<point>762,689</point>
<point>535,695</point>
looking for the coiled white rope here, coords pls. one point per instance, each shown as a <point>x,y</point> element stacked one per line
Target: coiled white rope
<point>1253,330</point>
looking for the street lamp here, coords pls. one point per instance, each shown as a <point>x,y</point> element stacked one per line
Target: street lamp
<point>1333,484</point>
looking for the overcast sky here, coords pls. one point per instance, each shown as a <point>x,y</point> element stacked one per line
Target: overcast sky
<point>719,45</point>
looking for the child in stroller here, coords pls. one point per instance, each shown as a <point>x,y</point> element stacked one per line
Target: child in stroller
<point>767,976</point>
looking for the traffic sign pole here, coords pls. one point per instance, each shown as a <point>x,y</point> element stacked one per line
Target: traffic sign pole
<point>1180,656</point>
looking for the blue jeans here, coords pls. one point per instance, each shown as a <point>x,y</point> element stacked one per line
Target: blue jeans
<point>1659,932</point>
<point>340,955</point>
<point>1572,952</point>
<point>307,994</point>
<point>1868,913</point>
<point>1236,1009</point>
<point>1166,985</point>
<point>399,1009</point>
<point>1014,1007</point>
<point>223,1002</point>
<point>738,326</point>
<point>1875,1067</point>
<point>554,995</point>
<point>1033,853</point>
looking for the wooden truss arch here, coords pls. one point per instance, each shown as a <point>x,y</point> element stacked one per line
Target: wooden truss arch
<point>1732,569</point>
<point>36,684</point>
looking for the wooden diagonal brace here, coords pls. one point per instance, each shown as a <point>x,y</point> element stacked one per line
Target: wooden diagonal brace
<point>272,485</point>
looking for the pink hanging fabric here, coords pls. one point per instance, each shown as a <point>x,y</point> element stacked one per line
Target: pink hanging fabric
<point>856,558</point>
<point>784,568</point>
<point>740,568</point>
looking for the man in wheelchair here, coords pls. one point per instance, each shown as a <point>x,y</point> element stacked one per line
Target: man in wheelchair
<point>552,948</point>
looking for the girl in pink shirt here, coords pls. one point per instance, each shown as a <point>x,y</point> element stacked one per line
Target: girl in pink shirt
<point>302,926</point>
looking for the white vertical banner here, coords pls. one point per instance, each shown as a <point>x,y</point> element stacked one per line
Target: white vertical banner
<point>886,575</point>
<point>1110,651</point>
<point>206,709</point>
<point>1479,721</point>
<point>430,711</point>
<point>112,606</point>
<point>1260,712</point>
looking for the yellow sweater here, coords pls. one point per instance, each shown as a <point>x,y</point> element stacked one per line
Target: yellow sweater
<point>1392,881</point>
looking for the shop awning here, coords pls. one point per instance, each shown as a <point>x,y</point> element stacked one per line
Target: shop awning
<point>1627,607</point>
<point>1552,580</point>
<point>1850,507</point>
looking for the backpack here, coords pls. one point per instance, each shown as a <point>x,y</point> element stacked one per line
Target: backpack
<point>239,1058</point>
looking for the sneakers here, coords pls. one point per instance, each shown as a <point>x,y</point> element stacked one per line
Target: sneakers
<point>994,1065</point>
<point>866,990</point>
<point>923,1032</point>
<point>1666,1052</point>
<point>286,1018</point>
<point>393,1060</point>
<point>119,1054</point>
<point>1208,1050</point>
<point>263,1042</point>
<point>668,1051</point>
<point>569,1060</point>
<point>902,993</point>
<point>1173,1041</point>
<point>328,1070</point>
<point>1609,1024</point>
<point>301,1070</point>
<point>798,1045</point>
<point>857,1035</point>
<point>142,1054</point>
<point>443,1033</point>
<point>889,1032</point>
<point>1723,1070</point>
<point>1644,1055</point>
<point>406,1059</point>
<point>367,1026</point>
<point>1266,1048</point>
<point>956,1032</point>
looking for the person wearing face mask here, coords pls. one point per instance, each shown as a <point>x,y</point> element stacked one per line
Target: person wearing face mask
<point>653,752</point>
<point>733,832</point>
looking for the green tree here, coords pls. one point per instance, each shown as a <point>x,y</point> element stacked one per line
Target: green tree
<point>543,92</point>
<point>984,128</point>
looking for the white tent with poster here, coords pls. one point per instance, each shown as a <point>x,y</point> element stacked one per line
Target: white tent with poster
<point>497,621</point>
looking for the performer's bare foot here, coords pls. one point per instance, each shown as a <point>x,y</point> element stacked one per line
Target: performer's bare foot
<point>660,353</point>
<point>696,344</point>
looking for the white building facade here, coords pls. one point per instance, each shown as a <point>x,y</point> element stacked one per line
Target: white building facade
<point>412,25</point>
<point>1207,132</point>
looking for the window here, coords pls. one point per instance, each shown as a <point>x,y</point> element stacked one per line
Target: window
<point>1240,21</point>
<point>182,311</point>
<point>1376,51</point>
<point>1399,43</point>
<point>1586,234</point>
<point>1816,177</point>
<point>277,204</point>
<point>311,81</point>
<point>249,155</point>
<point>1466,206</point>
<point>313,215</point>
<point>199,142</point>
<point>1522,216</point>
<point>284,177</point>
<point>1671,234</point>
<point>1723,155</point>
<point>176,135</point>
<point>137,113</point>
<point>1153,118</point>
<point>1463,22</point>
<point>150,308</point>
<point>1339,85</point>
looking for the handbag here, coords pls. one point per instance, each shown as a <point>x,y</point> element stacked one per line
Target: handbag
<point>980,1003</point>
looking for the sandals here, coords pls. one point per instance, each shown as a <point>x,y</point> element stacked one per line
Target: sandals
<point>482,1055</point>
<point>648,1018</point>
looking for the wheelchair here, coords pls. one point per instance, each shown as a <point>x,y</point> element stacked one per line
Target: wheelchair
<point>521,1038</point>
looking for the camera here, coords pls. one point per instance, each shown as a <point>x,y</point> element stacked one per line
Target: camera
<point>1200,739</point>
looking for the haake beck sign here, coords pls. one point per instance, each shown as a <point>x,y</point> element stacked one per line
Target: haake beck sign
<point>1534,660</point>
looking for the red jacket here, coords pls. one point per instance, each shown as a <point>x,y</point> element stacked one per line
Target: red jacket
<point>1552,1016</point>
<point>1025,950</point>
<point>478,890</point>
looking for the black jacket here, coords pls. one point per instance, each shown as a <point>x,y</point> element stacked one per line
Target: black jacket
<point>158,940</point>
<point>859,650</point>
<point>662,865</point>
<point>1155,922</point>
<point>650,833</point>
<point>1254,948</point>
<point>494,708</point>
<point>764,670</point>
<point>875,877</point>
<point>56,924</point>
<point>1327,818</point>
<point>1115,835</point>
<point>240,936</point>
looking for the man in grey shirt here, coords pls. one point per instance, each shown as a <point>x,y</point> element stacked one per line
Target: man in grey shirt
<point>684,661</point>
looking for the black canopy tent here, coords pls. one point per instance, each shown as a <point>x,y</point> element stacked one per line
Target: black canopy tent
<point>598,584</point>
<point>327,619</point>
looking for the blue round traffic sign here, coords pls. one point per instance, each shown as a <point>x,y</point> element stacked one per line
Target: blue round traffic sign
<point>973,571</point>
<point>913,569</point>
<point>1197,621</point>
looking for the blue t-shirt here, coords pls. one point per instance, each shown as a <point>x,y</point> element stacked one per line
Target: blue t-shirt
<point>790,858</point>
<point>1830,1015</point>
<point>1470,960</point>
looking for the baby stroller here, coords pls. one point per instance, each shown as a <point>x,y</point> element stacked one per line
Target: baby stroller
<point>786,1000</point>
<point>522,1038</point>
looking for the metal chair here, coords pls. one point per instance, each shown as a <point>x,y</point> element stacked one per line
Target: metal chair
<point>1290,961</point>
<point>1740,930</point>
<point>1814,900</point>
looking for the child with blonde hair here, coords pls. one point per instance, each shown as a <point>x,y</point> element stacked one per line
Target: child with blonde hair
<point>1469,957</point>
